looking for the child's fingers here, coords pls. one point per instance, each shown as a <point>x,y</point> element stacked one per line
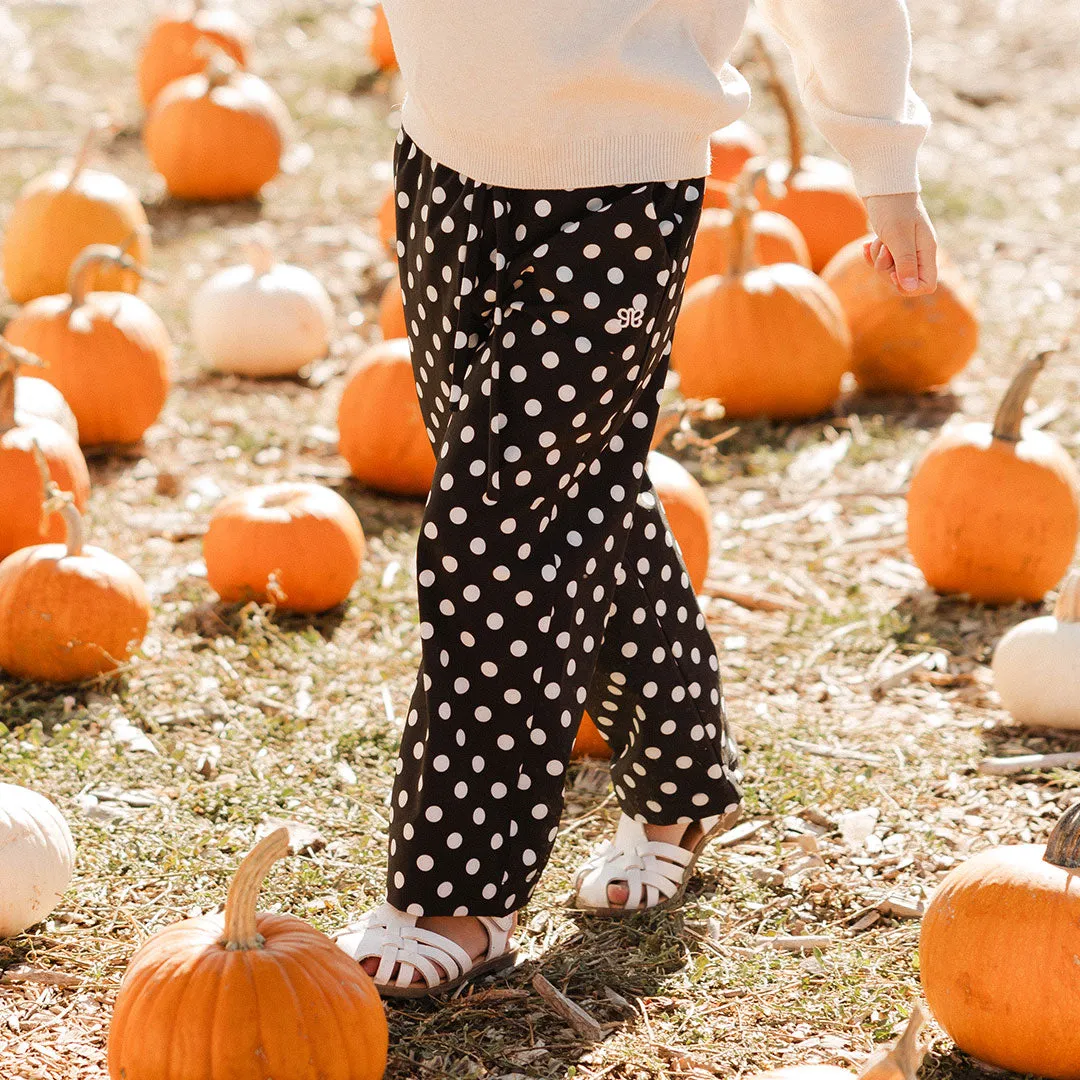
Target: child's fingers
<point>884,261</point>
<point>871,249</point>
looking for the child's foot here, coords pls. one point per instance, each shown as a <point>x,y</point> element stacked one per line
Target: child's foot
<point>644,866</point>
<point>409,956</point>
<point>466,930</point>
<point>684,836</point>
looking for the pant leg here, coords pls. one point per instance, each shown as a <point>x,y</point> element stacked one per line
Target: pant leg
<point>656,693</point>
<point>540,326</point>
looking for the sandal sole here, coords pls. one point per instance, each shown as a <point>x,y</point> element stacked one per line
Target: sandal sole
<point>489,967</point>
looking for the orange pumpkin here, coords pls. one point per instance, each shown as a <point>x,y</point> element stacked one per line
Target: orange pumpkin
<point>819,195</point>
<point>382,432</point>
<point>40,399</point>
<point>106,352</point>
<point>22,521</point>
<point>217,136</point>
<point>291,1002</point>
<point>776,240</point>
<point>60,213</point>
<point>381,46</point>
<point>997,954</point>
<point>903,344</point>
<point>298,546</point>
<point>589,743</point>
<point>732,147</point>
<point>177,43</point>
<point>766,340</point>
<point>690,518</point>
<point>388,222</point>
<point>392,312</point>
<point>68,612</point>
<point>717,194</point>
<point>687,510</point>
<point>994,512</point>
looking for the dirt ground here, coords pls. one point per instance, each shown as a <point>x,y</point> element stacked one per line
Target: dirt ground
<point>864,796</point>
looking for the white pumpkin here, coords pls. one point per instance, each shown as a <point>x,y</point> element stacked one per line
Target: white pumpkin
<point>262,318</point>
<point>1036,664</point>
<point>36,858</point>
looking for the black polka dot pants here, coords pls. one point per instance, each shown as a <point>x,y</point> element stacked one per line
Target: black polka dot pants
<point>541,324</point>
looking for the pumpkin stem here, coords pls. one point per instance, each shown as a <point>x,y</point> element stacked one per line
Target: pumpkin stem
<point>780,91</point>
<point>60,502</point>
<point>98,126</point>
<point>1010,415</point>
<point>219,67</point>
<point>260,256</point>
<point>12,357</point>
<point>241,906</point>
<point>94,254</point>
<point>1067,608</point>
<point>1063,847</point>
<point>742,257</point>
<point>902,1060</point>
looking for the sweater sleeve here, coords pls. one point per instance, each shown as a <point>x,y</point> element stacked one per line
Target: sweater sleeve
<point>852,62</point>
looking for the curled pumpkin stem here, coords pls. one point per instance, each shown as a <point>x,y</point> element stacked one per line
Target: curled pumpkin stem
<point>902,1060</point>
<point>100,126</point>
<point>779,90</point>
<point>1067,607</point>
<point>1063,847</point>
<point>93,255</point>
<point>12,357</point>
<point>58,501</point>
<point>219,66</point>
<point>1009,420</point>
<point>241,906</point>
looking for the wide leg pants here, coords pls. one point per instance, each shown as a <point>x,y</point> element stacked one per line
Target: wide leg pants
<point>540,324</point>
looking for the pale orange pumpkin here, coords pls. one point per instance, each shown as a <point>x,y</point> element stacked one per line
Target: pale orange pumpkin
<point>903,344</point>
<point>297,546</point>
<point>732,147</point>
<point>106,352</point>
<point>381,46</point>
<point>176,46</point>
<point>818,194</point>
<point>246,996</point>
<point>22,520</point>
<point>993,512</point>
<point>997,954</point>
<point>68,612</point>
<point>768,341</point>
<point>58,214</point>
<point>776,240</point>
<point>382,432</point>
<point>217,136</point>
<point>392,311</point>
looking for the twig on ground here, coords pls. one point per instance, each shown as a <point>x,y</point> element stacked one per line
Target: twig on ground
<point>753,601</point>
<point>840,753</point>
<point>900,674</point>
<point>570,1011</point>
<point>1009,766</point>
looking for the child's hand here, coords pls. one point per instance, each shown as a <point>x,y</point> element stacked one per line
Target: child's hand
<point>905,248</point>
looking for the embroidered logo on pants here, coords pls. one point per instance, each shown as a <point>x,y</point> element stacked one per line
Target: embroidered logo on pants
<point>629,316</point>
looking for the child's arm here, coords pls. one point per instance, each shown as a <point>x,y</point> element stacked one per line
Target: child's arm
<point>852,61</point>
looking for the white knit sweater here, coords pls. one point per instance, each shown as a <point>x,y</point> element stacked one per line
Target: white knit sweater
<point>582,93</point>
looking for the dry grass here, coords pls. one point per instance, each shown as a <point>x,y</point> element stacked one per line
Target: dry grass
<point>230,716</point>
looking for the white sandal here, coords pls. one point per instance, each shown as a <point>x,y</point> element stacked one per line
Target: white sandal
<point>393,937</point>
<point>655,873</point>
